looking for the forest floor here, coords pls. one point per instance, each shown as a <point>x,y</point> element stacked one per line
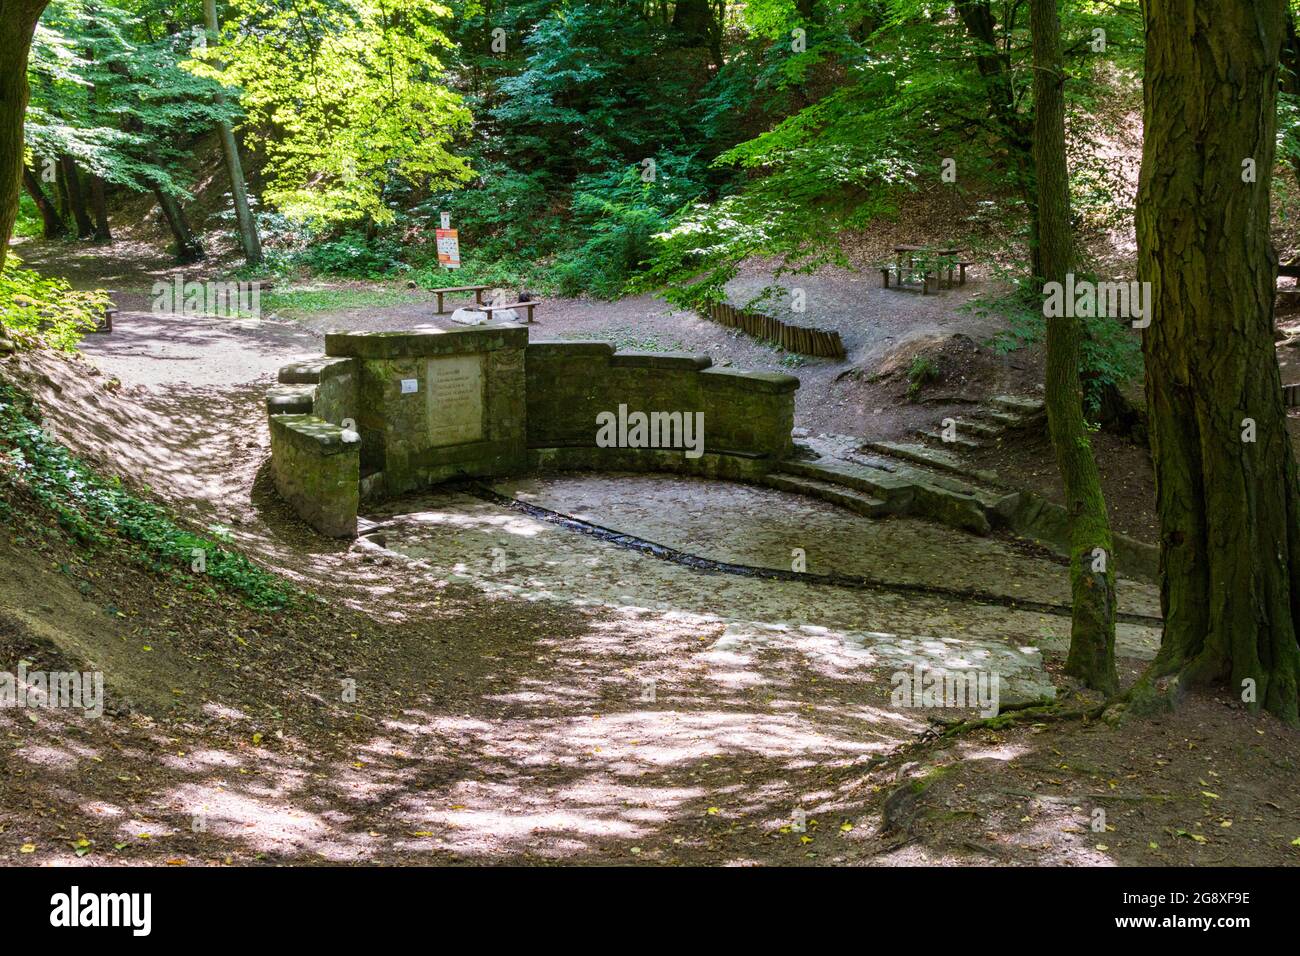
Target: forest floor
<point>491,727</point>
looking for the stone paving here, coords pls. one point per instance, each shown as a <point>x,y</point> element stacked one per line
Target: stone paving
<point>839,630</point>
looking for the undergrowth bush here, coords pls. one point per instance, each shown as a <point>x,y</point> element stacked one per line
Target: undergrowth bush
<point>1110,355</point>
<point>36,311</point>
<point>94,510</point>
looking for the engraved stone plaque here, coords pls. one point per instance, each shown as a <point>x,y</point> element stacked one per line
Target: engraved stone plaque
<point>455,399</point>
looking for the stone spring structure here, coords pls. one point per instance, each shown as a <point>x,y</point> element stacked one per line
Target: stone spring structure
<point>381,414</point>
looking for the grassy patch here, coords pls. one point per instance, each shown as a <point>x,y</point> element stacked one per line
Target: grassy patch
<point>627,339</point>
<point>921,372</point>
<point>96,511</point>
<point>298,303</point>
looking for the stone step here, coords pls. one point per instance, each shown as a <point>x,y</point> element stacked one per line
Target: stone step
<point>905,488</point>
<point>958,441</point>
<point>973,426</point>
<point>1008,420</point>
<point>856,501</point>
<point>875,482</point>
<point>1018,403</point>
<point>929,457</point>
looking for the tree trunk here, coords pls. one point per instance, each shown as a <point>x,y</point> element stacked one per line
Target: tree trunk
<point>188,247</point>
<point>98,199</point>
<point>692,20</point>
<point>99,207</point>
<point>1092,571</point>
<point>1015,130</point>
<point>17,24</point>
<point>1226,488</point>
<point>61,192</point>
<point>54,226</point>
<point>1291,70</point>
<point>76,197</point>
<point>238,189</point>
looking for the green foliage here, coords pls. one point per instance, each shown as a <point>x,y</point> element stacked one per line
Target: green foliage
<point>28,223</point>
<point>94,510</point>
<point>507,273</point>
<point>620,215</point>
<point>353,256</point>
<point>112,96</point>
<point>1110,354</point>
<point>345,97</point>
<point>36,311</point>
<point>921,372</point>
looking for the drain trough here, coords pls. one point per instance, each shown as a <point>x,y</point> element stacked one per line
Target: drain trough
<point>709,566</point>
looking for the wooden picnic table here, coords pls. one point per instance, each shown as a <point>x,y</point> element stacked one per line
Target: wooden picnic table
<point>476,289</point>
<point>928,257</point>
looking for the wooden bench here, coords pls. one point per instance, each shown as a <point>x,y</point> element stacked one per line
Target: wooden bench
<point>105,323</point>
<point>927,275</point>
<point>527,306</point>
<point>476,289</point>
<point>930,263</point>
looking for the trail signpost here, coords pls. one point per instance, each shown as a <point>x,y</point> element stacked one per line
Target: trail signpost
<point>448,244</point>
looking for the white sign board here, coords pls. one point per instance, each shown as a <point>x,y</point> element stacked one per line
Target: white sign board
<point>410,386</point>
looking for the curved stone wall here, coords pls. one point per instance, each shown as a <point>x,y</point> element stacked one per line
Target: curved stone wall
<point>385,413</point>
<point>575,386</point>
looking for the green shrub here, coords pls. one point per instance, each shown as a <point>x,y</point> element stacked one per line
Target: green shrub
<point>352,255</point>
<point>36,311</point>
<point>92,509</point>
<point>1110,354</point>
<point>921,371</point>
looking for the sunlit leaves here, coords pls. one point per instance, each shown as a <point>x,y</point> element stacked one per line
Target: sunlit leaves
<point>344,96</point>
<point>41,311</point>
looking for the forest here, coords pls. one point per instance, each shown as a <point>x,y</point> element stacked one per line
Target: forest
<point>676,432</point>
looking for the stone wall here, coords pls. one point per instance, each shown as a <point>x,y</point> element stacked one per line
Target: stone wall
<point>433,405</point>
<point>324,387</point>
<point>317,471</point>
<point>748,415</point>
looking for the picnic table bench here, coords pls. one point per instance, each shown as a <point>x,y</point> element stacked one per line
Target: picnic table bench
<point>476,289</point>
<point>527,306</point>
<point>929,262</point>
<point>105,323</point>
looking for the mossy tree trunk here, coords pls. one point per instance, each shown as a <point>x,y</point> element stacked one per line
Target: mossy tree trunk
<point>1225,470</point>
<point>1092,572</point>
<point>248,237</point>
<point>53,226</point>
<point>17,24</point>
